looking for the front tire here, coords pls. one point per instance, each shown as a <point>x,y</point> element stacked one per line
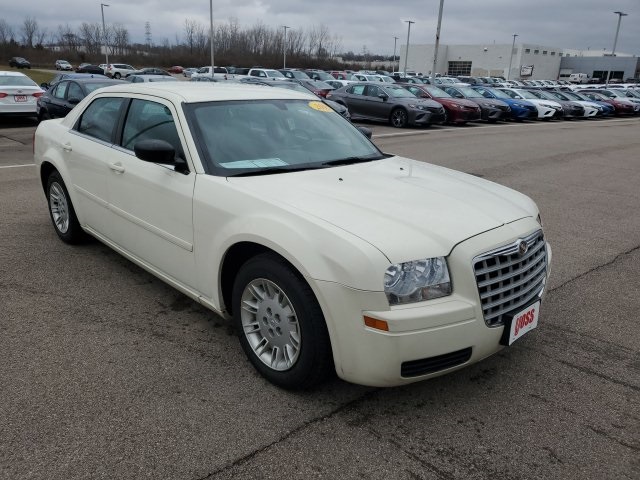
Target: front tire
<point>399,118</point>
<point>117,76</point>
<point>63,216</point>
<point>280,324</point>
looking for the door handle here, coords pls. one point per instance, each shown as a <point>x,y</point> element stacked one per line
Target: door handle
<point>67,147</point>
<point>117,167</point>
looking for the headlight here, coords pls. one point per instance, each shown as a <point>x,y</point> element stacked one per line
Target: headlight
<point>547,105</point>
<point>417,281</point>
<point>418,107</point>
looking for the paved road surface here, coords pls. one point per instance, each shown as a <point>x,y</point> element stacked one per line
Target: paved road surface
<point>105,372</point>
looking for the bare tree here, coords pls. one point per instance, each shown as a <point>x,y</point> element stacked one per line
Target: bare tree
<point>91,35</point>
<point>6,31</point>
<point>67,38</point>
<point>121,39</point>
<point>29,31</point>
<point>190,33</point>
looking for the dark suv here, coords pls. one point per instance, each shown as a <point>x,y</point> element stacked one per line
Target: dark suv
<point>19,62</point>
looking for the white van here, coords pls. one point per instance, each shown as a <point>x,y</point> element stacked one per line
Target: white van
<point>578,78</point>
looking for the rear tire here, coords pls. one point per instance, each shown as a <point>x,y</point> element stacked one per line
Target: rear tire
<point>63,216</point>
<point>280,324</point>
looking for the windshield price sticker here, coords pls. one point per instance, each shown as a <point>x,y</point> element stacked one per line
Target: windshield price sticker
<point>524,322</point>
<point>321,107</point>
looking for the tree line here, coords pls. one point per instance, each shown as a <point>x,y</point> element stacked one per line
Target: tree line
<point>234,44</point>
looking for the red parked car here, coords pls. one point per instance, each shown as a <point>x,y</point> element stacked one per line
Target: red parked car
<point>459,110</point>
<point>318,87</point>
<point>338,75</point>
<point>175,69</point>
<point>621,105</point>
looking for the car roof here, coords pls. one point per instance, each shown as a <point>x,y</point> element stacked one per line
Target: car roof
<point>91,80</point>
<point>11,74</point>
<point>193,92</point>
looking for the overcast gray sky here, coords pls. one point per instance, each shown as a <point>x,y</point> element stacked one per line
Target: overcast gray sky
<point>579,24</point>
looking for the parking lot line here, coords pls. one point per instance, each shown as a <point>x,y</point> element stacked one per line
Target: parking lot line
<point>517,125</point>
<point>18,166</point>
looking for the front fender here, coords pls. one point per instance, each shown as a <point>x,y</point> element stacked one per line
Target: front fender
<point>319,250</point>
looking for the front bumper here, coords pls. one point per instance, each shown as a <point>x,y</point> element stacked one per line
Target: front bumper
<point>425,117</point>
<point>448,328</point>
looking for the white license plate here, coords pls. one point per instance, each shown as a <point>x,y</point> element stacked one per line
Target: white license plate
<point>20,98</point>
<point>524,322</point>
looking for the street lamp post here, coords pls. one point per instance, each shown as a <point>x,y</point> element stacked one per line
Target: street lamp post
<point>284,60</point>
<point>409,22</point>
<point>435,50</point>
<point>513,45</point>
<point>615,41</point>
<point>213,68</point>
<point>104,35</point>
<point>395,42</point>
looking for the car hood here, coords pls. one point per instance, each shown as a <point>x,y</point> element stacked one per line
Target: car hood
<point>405,208</point>
<point>456,101</point>
<point>494,102</point>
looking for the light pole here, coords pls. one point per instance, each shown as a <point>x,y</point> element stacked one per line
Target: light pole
<point>435,50</point>
<point>213,68</point>
<point>513,45</point>
<point>284,60</point>
<point>409,22</point>
<point>615,41</point>
<point>395,42</point>
<point>104,35</point>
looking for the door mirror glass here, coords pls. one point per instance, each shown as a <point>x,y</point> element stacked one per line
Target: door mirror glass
<point>365,131</point>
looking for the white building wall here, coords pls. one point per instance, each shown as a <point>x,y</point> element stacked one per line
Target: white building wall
<point>486,60</point>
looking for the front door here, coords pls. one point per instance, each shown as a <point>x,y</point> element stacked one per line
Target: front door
<point>151,204</point>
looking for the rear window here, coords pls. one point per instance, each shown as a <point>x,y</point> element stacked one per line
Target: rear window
<point>15,80</point>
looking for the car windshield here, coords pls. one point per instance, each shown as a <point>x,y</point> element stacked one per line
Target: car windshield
<point>94,86</point>
<point>470,92</point>
<point>527,94</point>
<point>284,135</point>
<point>436,92</point>
<point>15,80</point>
<point>558,96</point>
<point>399,92</point>
<point>319,85</point>
<point>290,86</point>
<point>574,96</point>
<point>497,93</point>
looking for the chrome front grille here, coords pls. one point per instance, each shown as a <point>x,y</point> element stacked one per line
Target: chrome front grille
<point>509,280</point>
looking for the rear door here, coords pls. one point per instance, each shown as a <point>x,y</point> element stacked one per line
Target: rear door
<point>87,153</point>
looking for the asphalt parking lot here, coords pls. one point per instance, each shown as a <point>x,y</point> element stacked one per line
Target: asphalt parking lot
<point>106,372</point>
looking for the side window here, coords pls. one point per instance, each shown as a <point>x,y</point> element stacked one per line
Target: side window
<point>60,90</point>
<point>415,90</point>
<point>358,89</point>
<point>75,91</point>
<point>148,120</point>
<point>373,91</point>
<point>100,118</point>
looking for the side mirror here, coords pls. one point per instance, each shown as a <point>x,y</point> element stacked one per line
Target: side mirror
<point>383,96</point>
<point>74,100</point>
<point>44,86</point>
<point>365,131</point>
<point>160,151</point>
<point>518,97</point>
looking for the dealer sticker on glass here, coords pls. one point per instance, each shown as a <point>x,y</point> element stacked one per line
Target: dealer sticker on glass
<point>524,322</point>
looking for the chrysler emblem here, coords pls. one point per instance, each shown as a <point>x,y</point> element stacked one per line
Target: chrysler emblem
<point>522,247</point>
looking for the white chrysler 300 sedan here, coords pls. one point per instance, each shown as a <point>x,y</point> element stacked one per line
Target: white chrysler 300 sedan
<point>269,208</point>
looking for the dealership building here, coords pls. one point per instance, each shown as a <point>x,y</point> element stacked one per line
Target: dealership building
<point>527,61</point>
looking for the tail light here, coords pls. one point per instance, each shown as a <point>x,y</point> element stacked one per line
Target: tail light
<point>38,94</point>
<point>2,94</point>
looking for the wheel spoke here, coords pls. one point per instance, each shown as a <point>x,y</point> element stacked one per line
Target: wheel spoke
<point>262,346</point>
<point>270,324</point>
